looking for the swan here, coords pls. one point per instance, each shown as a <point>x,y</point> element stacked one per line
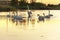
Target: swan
<point>40,18</point>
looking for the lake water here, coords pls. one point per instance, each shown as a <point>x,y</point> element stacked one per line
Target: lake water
<point>32,30</point>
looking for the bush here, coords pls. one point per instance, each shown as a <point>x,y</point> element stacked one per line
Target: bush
<point>7,8</point>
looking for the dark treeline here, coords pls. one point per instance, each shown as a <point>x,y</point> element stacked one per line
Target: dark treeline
<point>22,5</point>
<point>39,6</point>
<point>33,5</point>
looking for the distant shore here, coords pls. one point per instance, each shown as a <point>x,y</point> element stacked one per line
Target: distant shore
<point>32,6</point>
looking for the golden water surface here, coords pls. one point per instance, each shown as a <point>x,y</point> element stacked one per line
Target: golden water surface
<point>32,30</point>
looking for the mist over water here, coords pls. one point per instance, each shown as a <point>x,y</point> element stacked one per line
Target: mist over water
<point>31,30</point>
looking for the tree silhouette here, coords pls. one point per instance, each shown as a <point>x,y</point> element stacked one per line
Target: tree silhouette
<point>14,2</point>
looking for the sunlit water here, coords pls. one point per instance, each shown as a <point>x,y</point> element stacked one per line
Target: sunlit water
<point>32,30</point>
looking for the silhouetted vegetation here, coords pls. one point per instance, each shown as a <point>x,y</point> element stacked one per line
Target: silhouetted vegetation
<point>37,6</point>
<point>14,3</point>
<point>7,8</point>
<point>22,5</point>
